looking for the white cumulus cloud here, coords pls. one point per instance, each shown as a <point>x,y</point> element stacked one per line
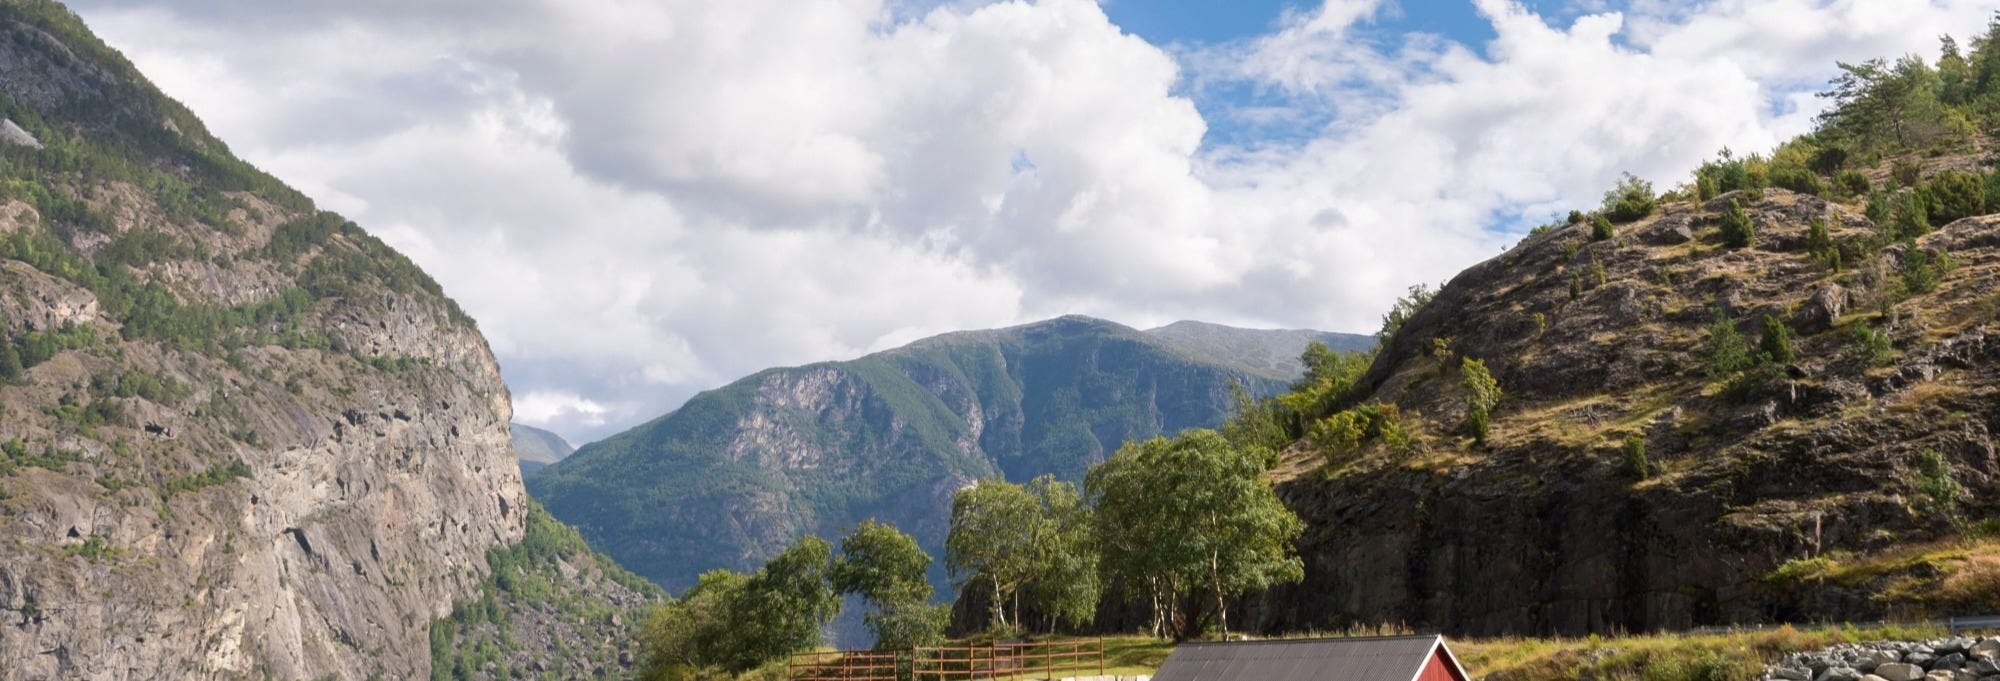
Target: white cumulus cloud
<point>638,200</point>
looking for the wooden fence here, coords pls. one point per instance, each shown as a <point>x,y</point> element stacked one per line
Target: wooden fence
<point>1012,661</point>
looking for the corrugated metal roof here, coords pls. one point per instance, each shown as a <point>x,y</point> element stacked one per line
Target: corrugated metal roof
<point>1389,658</point>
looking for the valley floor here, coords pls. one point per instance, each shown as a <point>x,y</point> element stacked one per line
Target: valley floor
<point>1655,657</point>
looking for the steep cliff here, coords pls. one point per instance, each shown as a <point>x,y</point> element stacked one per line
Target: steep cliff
<point>239,438</point>
<point>741,471</point>
<point>1631,481</point>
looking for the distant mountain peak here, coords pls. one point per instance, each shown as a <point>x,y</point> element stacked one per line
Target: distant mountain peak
<point>894,434</point>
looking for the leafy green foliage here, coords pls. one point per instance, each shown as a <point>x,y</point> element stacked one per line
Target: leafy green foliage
<point>1801,180</point>
<point>95,549</point>
<point>1725,352</point>
<point>1482,394</point>
<point>1820,245</point>
<point>1188,523</point>
<point>1853,183</point>
<point>1403,309</point>
<point>1954,194</point>
<point>1347,431</point>
<point>1923,271</point>
<point>1873,345</point>
<point>1937,487</point>
<point>732,623</point>
<point>1601,229</point>
<point>1775,344</point>
<point>1025,543</point>
<point>216,475</point>
<point>886,568</point>
<point>1727,173</point>
<point>1631,200</point>
<point>1876,103</point>
<point>1332,381</point>
<point>1635,463</point>
<point>17,355</point>
<point>1737,230</point>
<point>1910,215</point>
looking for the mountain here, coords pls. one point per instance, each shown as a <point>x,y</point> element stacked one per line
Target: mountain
<point>1644,470</point>
<point>739,472</point>
<point>239,437</point>
<point>537,448</point>
<point>1270,353</point>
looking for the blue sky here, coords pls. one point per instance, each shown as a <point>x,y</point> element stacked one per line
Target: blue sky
<point>1165,22</point>
<point>1185,25</point>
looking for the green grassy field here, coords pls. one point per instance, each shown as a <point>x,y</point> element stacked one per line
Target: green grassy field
<point>1657,657</point>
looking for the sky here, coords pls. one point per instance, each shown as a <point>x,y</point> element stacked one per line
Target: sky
<point>642,199</point>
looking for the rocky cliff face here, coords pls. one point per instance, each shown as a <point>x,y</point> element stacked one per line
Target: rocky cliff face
<point>739,472</point>
<point>238,438</point>
<point>1548,527</point>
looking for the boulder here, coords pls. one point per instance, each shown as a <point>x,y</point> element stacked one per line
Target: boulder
<point>1822,310</point>
<point>1899,671</point>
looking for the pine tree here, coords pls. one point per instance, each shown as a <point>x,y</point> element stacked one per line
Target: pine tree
<point>1737,230</point>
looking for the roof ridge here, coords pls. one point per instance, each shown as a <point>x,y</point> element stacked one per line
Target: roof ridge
<point>1322,639</point>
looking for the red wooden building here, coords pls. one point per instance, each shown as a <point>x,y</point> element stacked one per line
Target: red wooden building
<point>1385,658</point>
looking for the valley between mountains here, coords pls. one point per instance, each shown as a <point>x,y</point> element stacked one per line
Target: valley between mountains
<point>241,437</point>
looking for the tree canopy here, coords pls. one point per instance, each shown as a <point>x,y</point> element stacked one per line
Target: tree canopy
<point>1190,522</point>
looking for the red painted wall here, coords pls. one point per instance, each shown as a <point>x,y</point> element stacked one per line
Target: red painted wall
<point>1438,670</point>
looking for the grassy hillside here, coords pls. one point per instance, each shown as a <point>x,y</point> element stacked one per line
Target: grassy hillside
<point>1710,405</point>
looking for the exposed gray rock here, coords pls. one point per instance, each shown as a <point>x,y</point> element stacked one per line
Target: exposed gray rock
<point>12,133</point>
<point>1877,662</point>
<point>1900,671</point>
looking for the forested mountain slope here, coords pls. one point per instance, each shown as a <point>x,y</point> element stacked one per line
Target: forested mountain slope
<point>741,471</point>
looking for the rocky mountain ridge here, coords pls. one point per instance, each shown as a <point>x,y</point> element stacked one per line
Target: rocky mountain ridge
<point>739,472</point>
<point>1628,485</point>
<point>239,437</point>
<point>537,448</point>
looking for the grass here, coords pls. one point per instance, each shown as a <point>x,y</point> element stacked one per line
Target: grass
<point>1660,657</point>
<point>1959,572</point>
<point>1652,657</point>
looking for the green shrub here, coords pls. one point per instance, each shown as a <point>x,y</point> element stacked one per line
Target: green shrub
<point>1879,209</point>
<point>1346,432</point>
<point>1737,230</point>
<point>1954,194</point>
<point>1797,179</point>
<point>1873,345</point>
<point>1798,569</point>
<point>1853,182</point>
<point>1601,229</point>
<point>1632,199</point>
<point>1727,174</point>
<point>1401,312</point>
<point>1923,272</point>
<point>1993,190</point>
<point>1775,345</point>
<point>1725,352</point>
<point>1906,172</point>
<point>1636,466</point>
<point>1911,215</point>
<point>1937,488</point>
<point>1819,244</point>
<point>1482,394</point>
<point>1828,160</point>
